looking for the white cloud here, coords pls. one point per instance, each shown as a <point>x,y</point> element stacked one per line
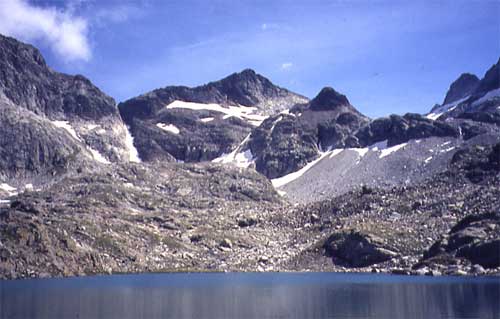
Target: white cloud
<point>64,32</point>
<point>270,26</point>
<point>286,65</point>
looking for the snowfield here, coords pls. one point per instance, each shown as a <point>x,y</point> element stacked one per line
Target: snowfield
<point>380,147</point>
<point>207,119</point>
<point>445,108</point>
<point>243,112</point>
<point>239,157</point>
<point>7,188</point>
<point>129,145</point>
<point>169,128</point>
<point>488,96</point>
<point>66,126</point>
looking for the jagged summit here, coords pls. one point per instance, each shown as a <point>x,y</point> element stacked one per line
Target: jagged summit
<point>328,99</point>
<point>209,120</point>
<point>461,87</point>
<point>50,120</point>
<point>245,88</point>
<point>28,82</point>
<point>469,97</point>
<point>491,80</point>
<point>21,52</point>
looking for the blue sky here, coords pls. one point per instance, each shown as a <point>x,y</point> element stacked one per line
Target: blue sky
<point>386,56</point>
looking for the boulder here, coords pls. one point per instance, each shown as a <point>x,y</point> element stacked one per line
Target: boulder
<point>357,249</point>
<point>475,238</point>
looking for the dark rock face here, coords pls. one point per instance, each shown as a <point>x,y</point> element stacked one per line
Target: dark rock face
<point>461,87</point>
<point>480,116</point>
<point>246,88</point>
<point>357,249</point>
<point>399,129</point>
<point>196,141</point>
<point>50,119</point>
<point>475,238</point>
<point>328,99</point>
<point>483,103</point>
<point>27,81</point>
<point>209,139</point>
<point>491,79</point>
<point>282,145</point>
<point>29,143</point>
<point>479,163</point>
<point>285,143</point>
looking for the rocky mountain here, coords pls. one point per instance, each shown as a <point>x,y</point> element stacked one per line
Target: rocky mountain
<point>287,141</point>
<point>400,150</point>
<point>316,186</point>
<point>462,87</point>
<point>50,120</point>
<point>469,98</point>
<point>178,123</point>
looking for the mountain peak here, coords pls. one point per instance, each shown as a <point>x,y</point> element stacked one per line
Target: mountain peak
<point>249,72</point>
<point>328,99</point>
<point>245,76</point>
<point>24,54</point>
<point>491,79</point>
<point>461,87</point>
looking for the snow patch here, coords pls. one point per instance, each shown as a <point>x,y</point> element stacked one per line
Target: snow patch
<point>169,128</point>
<point>207,119</point>
<point>28,187</point>
<point>361,151</point>
<point>276,122</point>
<point>445,108</point>
<point>238,157</point>
<point>428,159</point>
<point>379,146</point>
<point>66,126</point>
<point>4,201</point>
<point>90,127</point>
<point>447,150</point>
<point>97,156</point>
<point>243,112</point>
<point>390,150</point>
<point>133,154</point>
<point>281,193</point>
<point>7,188</point>
<point>488,96</point>
<point>280,181</point>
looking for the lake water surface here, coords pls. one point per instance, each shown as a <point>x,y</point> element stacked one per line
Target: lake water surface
<point>252,295</point>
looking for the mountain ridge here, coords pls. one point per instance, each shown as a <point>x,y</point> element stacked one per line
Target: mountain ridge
<point>392,192</point>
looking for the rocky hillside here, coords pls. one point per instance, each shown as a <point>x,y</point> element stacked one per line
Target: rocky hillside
<point>446,224</point>
<point>49,120</point>
<point>140,218</point>
<point>178,123</point>
<point>397,150</point>
<point>286,142</point>
<point>316,186</point>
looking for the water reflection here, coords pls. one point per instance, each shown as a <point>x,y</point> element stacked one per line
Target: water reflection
<point>251,296</point>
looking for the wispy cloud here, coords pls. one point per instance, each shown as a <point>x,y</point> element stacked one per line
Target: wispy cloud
<point>286,65</point>
<point>65,33</point>
<point>116,14</point>
<point>269,26</point>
